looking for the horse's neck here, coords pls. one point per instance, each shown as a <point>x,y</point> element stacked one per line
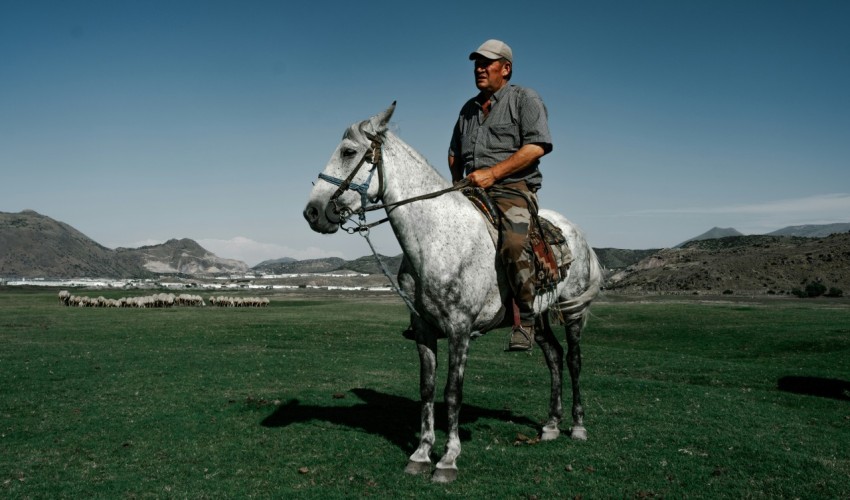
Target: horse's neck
<point>427,230</point>
<point>407,173</point>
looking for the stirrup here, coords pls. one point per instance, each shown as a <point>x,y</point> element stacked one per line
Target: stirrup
<point>521,338</point>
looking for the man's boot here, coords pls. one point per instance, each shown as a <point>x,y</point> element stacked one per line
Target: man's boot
<point>522,338</point>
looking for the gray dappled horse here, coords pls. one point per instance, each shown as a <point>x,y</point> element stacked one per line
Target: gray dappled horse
<point>450,273</point>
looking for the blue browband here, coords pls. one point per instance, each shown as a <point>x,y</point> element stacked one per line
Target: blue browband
<point>363,188</point>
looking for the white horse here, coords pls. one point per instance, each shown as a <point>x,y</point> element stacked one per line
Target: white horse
<point>451,273</point>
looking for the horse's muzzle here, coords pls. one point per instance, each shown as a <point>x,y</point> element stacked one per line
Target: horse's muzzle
<point>318,219</point>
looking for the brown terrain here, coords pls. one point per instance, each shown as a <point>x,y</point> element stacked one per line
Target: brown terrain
<point>741,265</point>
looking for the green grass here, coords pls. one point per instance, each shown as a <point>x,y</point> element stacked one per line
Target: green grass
<point>318,398</point>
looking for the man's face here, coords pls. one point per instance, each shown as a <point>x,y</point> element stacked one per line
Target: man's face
<point>490,74</point>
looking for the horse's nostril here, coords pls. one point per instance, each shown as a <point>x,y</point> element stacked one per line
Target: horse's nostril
<point>311,214</point>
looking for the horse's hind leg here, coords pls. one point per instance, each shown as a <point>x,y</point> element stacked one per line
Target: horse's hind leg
<point>554,354</point>
<point>574,327</point>
<point>426,343</point>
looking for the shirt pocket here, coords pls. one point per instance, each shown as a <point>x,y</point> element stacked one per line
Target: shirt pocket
<point>504,136</point>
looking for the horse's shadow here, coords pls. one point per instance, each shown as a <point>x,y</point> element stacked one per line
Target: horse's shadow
<point>816,386</point>
<point>396,418</point>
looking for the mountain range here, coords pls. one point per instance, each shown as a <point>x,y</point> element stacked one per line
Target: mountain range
<point>755,264</point>
<point>806,231</point>
<point>364,265</point>
<point>34,245</point>
<point>711,234</point>
<point>812,230</point>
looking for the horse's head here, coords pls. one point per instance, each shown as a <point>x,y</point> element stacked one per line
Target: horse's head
<point>350,177</point>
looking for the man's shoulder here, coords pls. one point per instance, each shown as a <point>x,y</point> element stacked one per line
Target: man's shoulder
<point>524,93</point>
<point>470,104</point>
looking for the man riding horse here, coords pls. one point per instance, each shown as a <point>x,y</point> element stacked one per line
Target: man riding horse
<point>497,142</point>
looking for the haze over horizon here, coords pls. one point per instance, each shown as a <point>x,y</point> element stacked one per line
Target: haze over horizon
<point>138,122</point>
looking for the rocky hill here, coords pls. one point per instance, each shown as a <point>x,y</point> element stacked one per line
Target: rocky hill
<point>368,264</point>
<point>34,245</point>
<point>813,230</point>
<point>713,234</point>
<point>274,262</point>
<point>741,264</point>
<point>617,258</point>
<point>183,256</point>
<point>364,265</point>
<point>292,266</point>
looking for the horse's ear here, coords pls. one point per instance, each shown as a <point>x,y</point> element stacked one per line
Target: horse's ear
<point>379,122</point>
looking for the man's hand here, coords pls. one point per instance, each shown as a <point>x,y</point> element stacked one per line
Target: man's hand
<point>486,177</point>
<point>482,178</point>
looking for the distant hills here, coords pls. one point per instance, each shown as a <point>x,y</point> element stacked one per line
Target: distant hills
<point>37,246</point>
<point>755,264</point>
<point>722,259</point>
<point>364,265</point>
<point>618,258</point>
<point>713,233</point>
<point>813,230</point>
<point>288,265</point>
<point>34,245</point>
<point>274,262</point>
<point>183,256</point>
<point>805,231</point>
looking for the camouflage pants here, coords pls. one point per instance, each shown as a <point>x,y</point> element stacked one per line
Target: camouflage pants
<point>516,204</point>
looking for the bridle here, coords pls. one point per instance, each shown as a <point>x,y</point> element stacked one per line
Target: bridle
<point>374,156</point>
<point>371,155</point>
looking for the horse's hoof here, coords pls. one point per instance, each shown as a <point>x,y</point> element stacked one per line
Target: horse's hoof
<point>550,433</point>
<point>444,475</point>
<point>578,433</point>
<point>417,467</point>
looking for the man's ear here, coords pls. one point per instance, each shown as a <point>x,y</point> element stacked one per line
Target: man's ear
<point>507,66</point>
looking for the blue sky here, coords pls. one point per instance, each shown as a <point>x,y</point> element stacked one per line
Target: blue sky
<point>140,121</point>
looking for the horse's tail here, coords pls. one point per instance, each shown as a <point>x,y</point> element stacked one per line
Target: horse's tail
<point>578,308</point>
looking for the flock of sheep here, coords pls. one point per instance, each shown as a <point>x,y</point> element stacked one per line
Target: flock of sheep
<point>160,300</point>
<point>156,300</point>
<point>238,301</point>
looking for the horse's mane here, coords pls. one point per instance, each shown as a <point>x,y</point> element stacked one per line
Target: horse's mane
<point>395,146</point>
<point>404,152</point>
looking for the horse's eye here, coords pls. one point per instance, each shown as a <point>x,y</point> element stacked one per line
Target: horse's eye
<point>348,152</point>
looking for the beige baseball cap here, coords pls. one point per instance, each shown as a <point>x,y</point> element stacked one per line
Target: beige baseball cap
<point>493,49</point>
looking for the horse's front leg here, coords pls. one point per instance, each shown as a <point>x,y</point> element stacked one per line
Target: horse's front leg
<point>447,466</point>
<point>426,343</point>
<point>554,354</point>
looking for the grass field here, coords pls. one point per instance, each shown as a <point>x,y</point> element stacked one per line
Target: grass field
<point>316,397</point>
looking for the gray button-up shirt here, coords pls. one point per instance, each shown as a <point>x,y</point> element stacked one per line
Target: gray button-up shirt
<point>517,117</point>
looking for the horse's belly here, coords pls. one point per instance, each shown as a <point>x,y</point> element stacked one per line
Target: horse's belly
<point>491,315</point>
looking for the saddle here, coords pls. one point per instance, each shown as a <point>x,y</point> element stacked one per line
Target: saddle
<point>552,255</point>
